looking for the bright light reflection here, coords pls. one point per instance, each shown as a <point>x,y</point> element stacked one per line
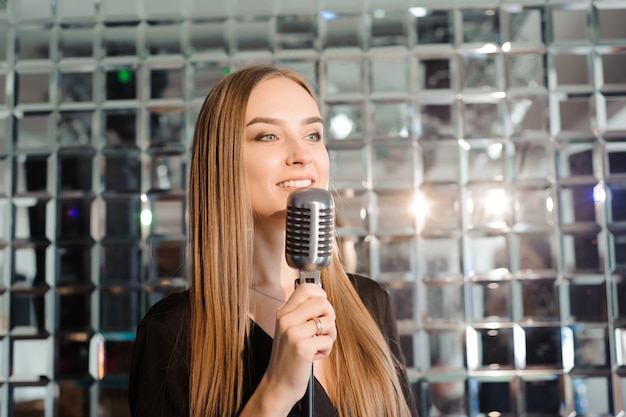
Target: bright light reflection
<point>341,126</point>
<point>494,151</point>
<point>495,202</point>
<point>97,356</point>
<point>419,207</point>
<point>464,144</point>
<point>599,193</point>
<point>146,217</point>
<point>519,340</point>
<point>379,13</point>
<point>621,336</point>
<point>328,15</point>
<point>567,337</point>
<point>418,11</point>
<point>473,360</point>
<point>487,49</point>
<point>549,204</point>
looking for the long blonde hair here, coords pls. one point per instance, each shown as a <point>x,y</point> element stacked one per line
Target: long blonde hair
<point>221,233</point>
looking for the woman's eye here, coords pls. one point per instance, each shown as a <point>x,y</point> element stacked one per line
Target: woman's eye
<point>315,136</point>
<point>267,138</point>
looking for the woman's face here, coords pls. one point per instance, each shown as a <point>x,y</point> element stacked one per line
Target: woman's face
<point>283,148</point>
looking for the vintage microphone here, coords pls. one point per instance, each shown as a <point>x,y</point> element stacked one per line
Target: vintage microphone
<point>309,245</point>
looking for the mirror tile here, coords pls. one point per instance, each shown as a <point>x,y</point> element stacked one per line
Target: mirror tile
<point>543,396</point>
<point>34,131</point>
<point>440,257</point>
<point>345,121</point>
<point>446,349</point>
<point>392,167</point>
<point>524,24</point>
<point>434,26</point>
<point>395,214</point>
<point>443,200</point>
<point>122,218</point>
<point>388,28</point>
<point>33,42</point>
<point>591,395</point>
<point>580,253</point>
<point>351,212</point>
<point>495,397</point>
<point>341,30</point>
<point>496,348</point>
<point>392,119</point>
<point>438,121</point>
<point>480,25</point>
<point>74,311</point>
<point>611,77</point>
<point>444,303</point>
<point>533,208</point>
<point>492,301</point>
<point>76,40</point>
<point>120,39</point>
<point>75,263</point>
<point>342,167</point>
<point>296,31</point>
<point>540,302</point>
<point>587,300</point>
<point>121,262</point>
<point>75,128</point>
<point>543,347</point>
<point>591,346</point>
<point>576,28</point>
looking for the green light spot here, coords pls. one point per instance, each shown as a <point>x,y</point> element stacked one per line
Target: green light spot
<point>124,76</point>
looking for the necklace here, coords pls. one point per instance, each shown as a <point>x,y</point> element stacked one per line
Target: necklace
<point>267,295</point>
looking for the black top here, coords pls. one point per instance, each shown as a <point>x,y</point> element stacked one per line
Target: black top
<point>159,372</point>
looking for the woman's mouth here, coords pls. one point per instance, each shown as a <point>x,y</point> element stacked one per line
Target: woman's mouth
<point>295,183</point>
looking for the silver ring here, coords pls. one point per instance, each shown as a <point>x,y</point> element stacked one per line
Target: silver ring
<point>320,328</point>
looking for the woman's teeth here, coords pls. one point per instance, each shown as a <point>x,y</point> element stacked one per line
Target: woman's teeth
<point>296,183</point>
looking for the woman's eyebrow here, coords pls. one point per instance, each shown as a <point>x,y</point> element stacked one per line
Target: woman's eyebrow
<point>312,120</point>
<point>273,121</point>
<point>266,120</point>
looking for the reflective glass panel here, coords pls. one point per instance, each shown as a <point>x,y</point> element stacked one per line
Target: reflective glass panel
<point>491,301</point>
<point>434,27</point>
<point>496,348</point>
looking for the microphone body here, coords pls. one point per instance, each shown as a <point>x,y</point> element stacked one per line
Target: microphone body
<point>309,247</point>
<point>310,229</point>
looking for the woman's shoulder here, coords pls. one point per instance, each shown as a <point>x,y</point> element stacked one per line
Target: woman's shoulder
<point>170,309</point>
<point>368,287</point>
<point>374,294</point>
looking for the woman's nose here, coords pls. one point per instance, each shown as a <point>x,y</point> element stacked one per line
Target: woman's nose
<point>299,153</point>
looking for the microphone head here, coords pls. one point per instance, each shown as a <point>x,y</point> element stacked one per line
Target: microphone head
<point>310,229</point>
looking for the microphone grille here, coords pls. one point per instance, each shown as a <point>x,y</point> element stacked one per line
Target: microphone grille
<point>299,223</point>
<point>310,228</point>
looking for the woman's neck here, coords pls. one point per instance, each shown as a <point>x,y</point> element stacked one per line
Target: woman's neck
<point>270,269</point>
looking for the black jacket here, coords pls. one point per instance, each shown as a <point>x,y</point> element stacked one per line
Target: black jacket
<point>159,372</point>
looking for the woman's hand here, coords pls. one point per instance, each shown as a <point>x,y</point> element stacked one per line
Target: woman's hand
<point>298,342</point>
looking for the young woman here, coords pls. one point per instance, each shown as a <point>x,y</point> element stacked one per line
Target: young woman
<point>241,340</point>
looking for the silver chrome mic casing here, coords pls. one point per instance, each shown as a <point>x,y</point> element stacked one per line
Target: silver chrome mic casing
<point>310,232</point>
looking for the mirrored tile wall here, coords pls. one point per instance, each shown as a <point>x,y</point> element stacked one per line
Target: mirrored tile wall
<point>478,157</point>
